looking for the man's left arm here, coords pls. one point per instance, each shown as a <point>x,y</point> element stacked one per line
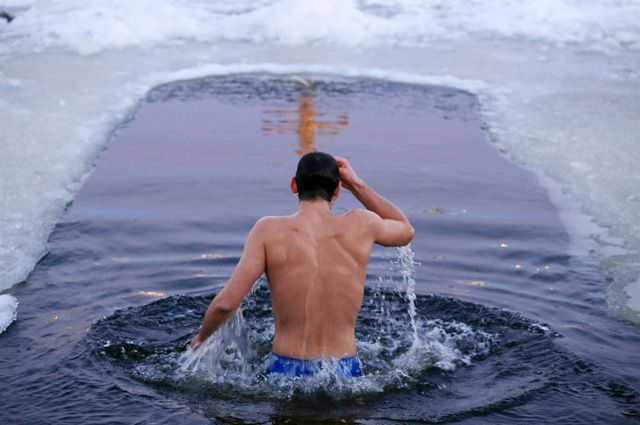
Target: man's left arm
<point>251,265</point>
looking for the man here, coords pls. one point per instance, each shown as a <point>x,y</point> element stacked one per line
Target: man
<point>316,264</point>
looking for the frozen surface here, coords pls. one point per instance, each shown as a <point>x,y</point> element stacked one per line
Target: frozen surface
<point>92,27</point>
<point>559,84</point>
<point>8,311</point>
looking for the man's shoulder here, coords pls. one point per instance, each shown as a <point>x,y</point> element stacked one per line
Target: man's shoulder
<point>269,222</point>
<point>272,228</point>
<point>362,216</point>
<point>361,213</point>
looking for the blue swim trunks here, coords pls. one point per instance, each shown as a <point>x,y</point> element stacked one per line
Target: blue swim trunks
<point>348,366</point>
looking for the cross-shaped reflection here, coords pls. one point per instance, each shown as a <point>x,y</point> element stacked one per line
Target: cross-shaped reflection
<point>306,121</point>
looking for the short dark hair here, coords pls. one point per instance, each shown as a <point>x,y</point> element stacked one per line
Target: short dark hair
<point>317,176</point>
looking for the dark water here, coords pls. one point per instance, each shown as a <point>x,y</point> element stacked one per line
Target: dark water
<point>508,328</point>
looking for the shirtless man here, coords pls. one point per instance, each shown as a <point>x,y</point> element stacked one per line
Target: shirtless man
<point>316,264</point>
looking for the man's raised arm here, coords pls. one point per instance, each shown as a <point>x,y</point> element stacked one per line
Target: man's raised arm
<point>251,265</point>
<point>391,225</point>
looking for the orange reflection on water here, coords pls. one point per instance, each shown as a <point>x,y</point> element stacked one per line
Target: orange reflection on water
<point>306,121</point>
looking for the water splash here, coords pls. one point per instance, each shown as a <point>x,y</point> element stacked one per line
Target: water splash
<point>224,353</point>
<point>397,346</point>
<point>458,345</point>
<point>406,259</point>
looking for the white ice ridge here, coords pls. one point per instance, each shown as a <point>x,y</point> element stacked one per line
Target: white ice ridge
<point>90,27</point>
<point>8,311</point>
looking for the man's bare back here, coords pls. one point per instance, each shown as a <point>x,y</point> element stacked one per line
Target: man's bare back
<point>316,264</point>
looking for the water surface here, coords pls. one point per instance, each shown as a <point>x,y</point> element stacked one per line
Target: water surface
<point>512,329</point>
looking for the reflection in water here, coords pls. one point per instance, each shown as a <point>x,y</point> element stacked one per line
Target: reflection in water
<point>307,124</point>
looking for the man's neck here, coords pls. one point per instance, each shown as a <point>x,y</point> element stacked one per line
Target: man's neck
<point>315,207</point>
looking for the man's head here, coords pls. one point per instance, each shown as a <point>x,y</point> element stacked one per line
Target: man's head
<point>317,176</point>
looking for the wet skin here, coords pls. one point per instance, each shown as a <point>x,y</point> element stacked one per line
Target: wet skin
<point>316,265</point>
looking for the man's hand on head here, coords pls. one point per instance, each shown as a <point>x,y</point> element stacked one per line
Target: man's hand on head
<point>392,227</point>
<point>350,180</point>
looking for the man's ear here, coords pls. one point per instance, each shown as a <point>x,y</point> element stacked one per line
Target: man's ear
<point>336,192</point>
<point>294,186</point>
